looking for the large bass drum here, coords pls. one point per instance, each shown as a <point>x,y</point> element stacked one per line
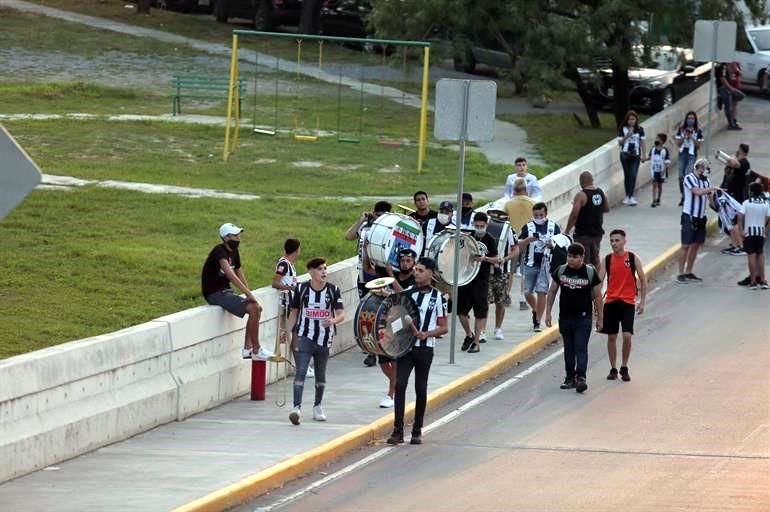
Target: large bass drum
<point>500,230</point>
<point>383,324</point>
<point>389,234</point>
<point>442,247</point>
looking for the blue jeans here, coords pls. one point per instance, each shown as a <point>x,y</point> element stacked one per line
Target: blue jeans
<point>306,350</point>
<point>630,163</point>
<point>729,99</point>
<point>575,332</point>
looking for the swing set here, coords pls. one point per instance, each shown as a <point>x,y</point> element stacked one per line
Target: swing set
<point>272,90</point>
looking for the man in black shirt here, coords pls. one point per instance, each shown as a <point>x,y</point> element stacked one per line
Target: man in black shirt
<point>740,174</point>
<point>587,217</point>
<point>474,294</point>
<point>581,289</point>
<point>423,213</point>
<point>222,267</point>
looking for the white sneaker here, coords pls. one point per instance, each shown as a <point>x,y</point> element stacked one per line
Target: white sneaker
<point>310,373</point>
<point>261,355</point>
<point>246,353</point>
<point>386,402</point>
<point>499,334</point>
<point>626,201</point>
<point>295,415</point>
<point>632,201</point>
<point>318,413</point>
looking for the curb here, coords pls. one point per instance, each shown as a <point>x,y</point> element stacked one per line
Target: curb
<point>283,472</point>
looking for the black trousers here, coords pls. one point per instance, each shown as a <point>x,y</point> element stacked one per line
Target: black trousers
<point>419,359</point>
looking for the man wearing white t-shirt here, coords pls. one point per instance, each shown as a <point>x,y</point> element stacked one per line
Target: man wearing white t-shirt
<point>522,172</point>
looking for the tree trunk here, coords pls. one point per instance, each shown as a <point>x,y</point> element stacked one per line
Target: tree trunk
<point>311,15</point>
<point>621,90</point>
<point>585,96</point>
<point>143,7</point>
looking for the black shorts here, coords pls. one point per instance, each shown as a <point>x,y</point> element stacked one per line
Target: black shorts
<point>658,177</point>
<point>618,314</point>
<point>473,296</point>
<point>754,244</point>
<point>693,230</point>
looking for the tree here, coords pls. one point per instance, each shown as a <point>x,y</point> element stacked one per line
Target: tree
<point>561,40</point>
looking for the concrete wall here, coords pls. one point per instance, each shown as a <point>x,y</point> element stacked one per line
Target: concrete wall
<point>66,400</point>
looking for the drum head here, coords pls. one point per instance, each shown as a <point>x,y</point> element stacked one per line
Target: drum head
<point>391,233</point>
<point>445,257</point>
<point>383,325</point>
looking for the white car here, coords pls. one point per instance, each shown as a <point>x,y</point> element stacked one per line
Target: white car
<point>752,51</point>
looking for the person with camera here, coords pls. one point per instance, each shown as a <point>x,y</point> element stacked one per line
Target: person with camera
<point>688,138</point>
<point>631,141</point>
<point>367,270</point>
<point>697,191</point>
<point>534,244</point>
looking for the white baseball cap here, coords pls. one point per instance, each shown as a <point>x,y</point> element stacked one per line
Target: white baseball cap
<point>229,229</point>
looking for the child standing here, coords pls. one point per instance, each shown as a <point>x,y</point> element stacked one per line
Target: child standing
<point>660,159</point>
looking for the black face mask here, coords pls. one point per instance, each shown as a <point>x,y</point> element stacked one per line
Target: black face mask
<point>233,244</point>
<point>657,143</point>
<point>467,210</point>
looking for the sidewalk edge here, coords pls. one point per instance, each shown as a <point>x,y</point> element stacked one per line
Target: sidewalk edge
<point>283,472</point>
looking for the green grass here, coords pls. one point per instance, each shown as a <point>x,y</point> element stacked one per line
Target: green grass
<point>190,155</point>
<point>559,139</point>
<point>91,261</point>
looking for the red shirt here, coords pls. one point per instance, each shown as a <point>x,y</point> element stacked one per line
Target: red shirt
<point>621,284</point>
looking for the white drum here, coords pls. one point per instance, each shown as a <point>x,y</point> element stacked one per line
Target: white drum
<point>391,233</point>
<point>441,248</point>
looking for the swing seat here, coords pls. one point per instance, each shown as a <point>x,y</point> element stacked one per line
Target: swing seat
<point>305,138</point>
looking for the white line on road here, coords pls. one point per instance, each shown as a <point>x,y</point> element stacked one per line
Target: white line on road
<point>433,426</point>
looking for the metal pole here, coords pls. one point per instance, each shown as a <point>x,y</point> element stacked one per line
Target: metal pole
<point>458,219</point>
<point>712,79</point>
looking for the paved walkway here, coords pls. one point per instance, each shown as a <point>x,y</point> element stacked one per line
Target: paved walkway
<point>178,462</point>
<point>510,140</point>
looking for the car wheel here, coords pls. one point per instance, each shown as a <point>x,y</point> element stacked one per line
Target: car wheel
<point>263,16</point>
<point>220,11</point>
<point>668,98</point>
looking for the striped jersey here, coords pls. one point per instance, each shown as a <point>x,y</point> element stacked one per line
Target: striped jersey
<point>288,273</point>
<point>659,160</point>
<point>633,143</point>
<point>689,136</point>
<point>315,306</point>
<point>431,307</point>
<point>756,212</point>
<point>695,206</point>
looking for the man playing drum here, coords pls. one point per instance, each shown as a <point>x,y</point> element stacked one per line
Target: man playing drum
<point>430,324</point>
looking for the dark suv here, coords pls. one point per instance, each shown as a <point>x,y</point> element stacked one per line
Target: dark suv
<point>264,14</point>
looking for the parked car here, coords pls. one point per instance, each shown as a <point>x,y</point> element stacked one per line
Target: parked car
<point>752,51</point>
<point>651,89</point>
<point>264,14</point>
<point>469,51</point>
<point>187,5</point>
<point>345,18</point>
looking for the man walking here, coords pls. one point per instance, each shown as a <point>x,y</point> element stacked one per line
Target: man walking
<point>581,289</point>
<point>315,312</point>
<point>222,267</point>
<point>519,210</point>
<point>587,217</point>
<point>522,172</point>
<point>622,269</point>
<point>697,190</point>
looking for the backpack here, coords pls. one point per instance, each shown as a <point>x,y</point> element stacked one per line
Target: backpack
<point>632,265</point>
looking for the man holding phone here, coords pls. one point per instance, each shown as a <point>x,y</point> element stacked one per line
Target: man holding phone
<point>534,245</point>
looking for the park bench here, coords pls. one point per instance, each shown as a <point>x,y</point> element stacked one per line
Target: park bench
<point>202,88</point>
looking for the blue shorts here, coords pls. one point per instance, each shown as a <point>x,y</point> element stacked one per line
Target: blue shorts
<point>229,301</point>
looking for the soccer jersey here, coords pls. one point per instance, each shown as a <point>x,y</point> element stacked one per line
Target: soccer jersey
<point>314,307</point>
<point>695,206</point>
<point>659,159</point>
<point>632,145</point>
<point>756,211</point>
<point>431,307</point>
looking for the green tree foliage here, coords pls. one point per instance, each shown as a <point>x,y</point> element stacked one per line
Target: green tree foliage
<point>557,40</point>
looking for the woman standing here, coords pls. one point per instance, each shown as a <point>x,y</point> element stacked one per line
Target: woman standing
<point>631,141</point>
<point>689,138</point>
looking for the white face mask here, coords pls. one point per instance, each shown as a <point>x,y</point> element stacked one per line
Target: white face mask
<point>539,222</point>
<point>480,232</point>
<point>443,218</point>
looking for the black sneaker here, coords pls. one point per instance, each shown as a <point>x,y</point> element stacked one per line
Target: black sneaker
<point>370,360</point>
<point>395,438</point>
<point>624,374</point>
<point>536,327</point>
<point>569,383</point>
<point>416,438</point>
<point>467,343</point>
<point>613,375</point>
<point>681,279</point>
<point>580,384</point>
<point>692,277</point>
<point>745,282</point>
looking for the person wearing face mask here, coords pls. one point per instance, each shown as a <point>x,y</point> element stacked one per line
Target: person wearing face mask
<point>688,138</point>
<point>474,294</point>
<point>466,213</point>
<point>223,267</point>
<point>697,190</point>
<point>535,246</point>
<point>631,141</point>
<point>660,159</point>
<point>439,223</point>
<point>519,211</point>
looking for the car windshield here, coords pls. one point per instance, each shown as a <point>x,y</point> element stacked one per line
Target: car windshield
<point>761,39</point>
